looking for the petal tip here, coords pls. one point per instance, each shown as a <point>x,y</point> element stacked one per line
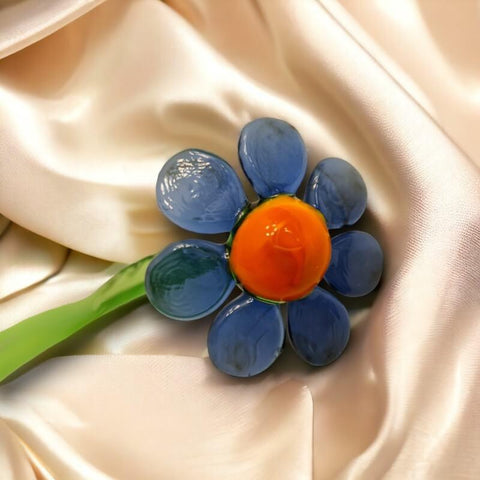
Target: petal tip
<point>200,192</point>
<point>246,337</point>
<point>273,156</point>
<point>188,280</point>
<point>337,189</point>
<point>318,327</point>
<point>356,265</point>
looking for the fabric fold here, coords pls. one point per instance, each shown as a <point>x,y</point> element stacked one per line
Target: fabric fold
<point>232,429</point>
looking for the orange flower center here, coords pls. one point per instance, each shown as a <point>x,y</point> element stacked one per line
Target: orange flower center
<point>281,250</point>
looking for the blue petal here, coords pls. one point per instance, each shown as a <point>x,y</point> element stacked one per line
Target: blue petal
<point>318,327</point>
<point>200,192</point>
<point>356,265</point>
<point>246,337</point>
<point>189,279</point>
<point>337,189</point>
<point>273,156</point>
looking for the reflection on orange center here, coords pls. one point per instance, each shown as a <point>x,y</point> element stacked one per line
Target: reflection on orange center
<point>281,250</point>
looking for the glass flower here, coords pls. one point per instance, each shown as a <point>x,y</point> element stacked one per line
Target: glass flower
<point>278,250</point>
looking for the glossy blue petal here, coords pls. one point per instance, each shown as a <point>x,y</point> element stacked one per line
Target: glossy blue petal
<point>318,327</point>
<point>356,265</point>
<point>337,189</point>
<point>200,192</point>
<point>246,337</point>
<point>189,279</point>
<point>273,156</point>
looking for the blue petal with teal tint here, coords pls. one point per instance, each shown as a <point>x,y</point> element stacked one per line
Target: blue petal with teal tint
<point>189,279</point>
<point>356,265</point>
<point>318,327</point>
<point>273,156</point>
<point>200,192</point>
<point>337,189</point>
<point>246,337</point>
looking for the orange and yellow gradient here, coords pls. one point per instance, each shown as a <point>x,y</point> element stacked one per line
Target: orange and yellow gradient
<point>281,250</point>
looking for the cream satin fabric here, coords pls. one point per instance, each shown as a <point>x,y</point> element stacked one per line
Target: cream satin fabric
<point>89,114</point>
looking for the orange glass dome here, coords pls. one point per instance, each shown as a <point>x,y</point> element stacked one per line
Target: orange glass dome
<point>281,250</point>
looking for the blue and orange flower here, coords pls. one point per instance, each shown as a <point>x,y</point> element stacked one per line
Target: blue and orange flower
<point>278,250</point>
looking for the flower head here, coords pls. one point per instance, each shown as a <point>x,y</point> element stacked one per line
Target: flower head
<point>278,249</point>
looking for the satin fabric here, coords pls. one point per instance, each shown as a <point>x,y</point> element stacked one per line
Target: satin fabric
<point>89,115</point>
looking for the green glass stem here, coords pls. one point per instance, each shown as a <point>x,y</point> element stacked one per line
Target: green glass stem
<point>28,339</point>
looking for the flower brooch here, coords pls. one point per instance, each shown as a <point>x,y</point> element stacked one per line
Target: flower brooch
<point>278,250</point>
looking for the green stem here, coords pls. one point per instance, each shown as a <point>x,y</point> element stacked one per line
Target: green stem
<point>26,340</point>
